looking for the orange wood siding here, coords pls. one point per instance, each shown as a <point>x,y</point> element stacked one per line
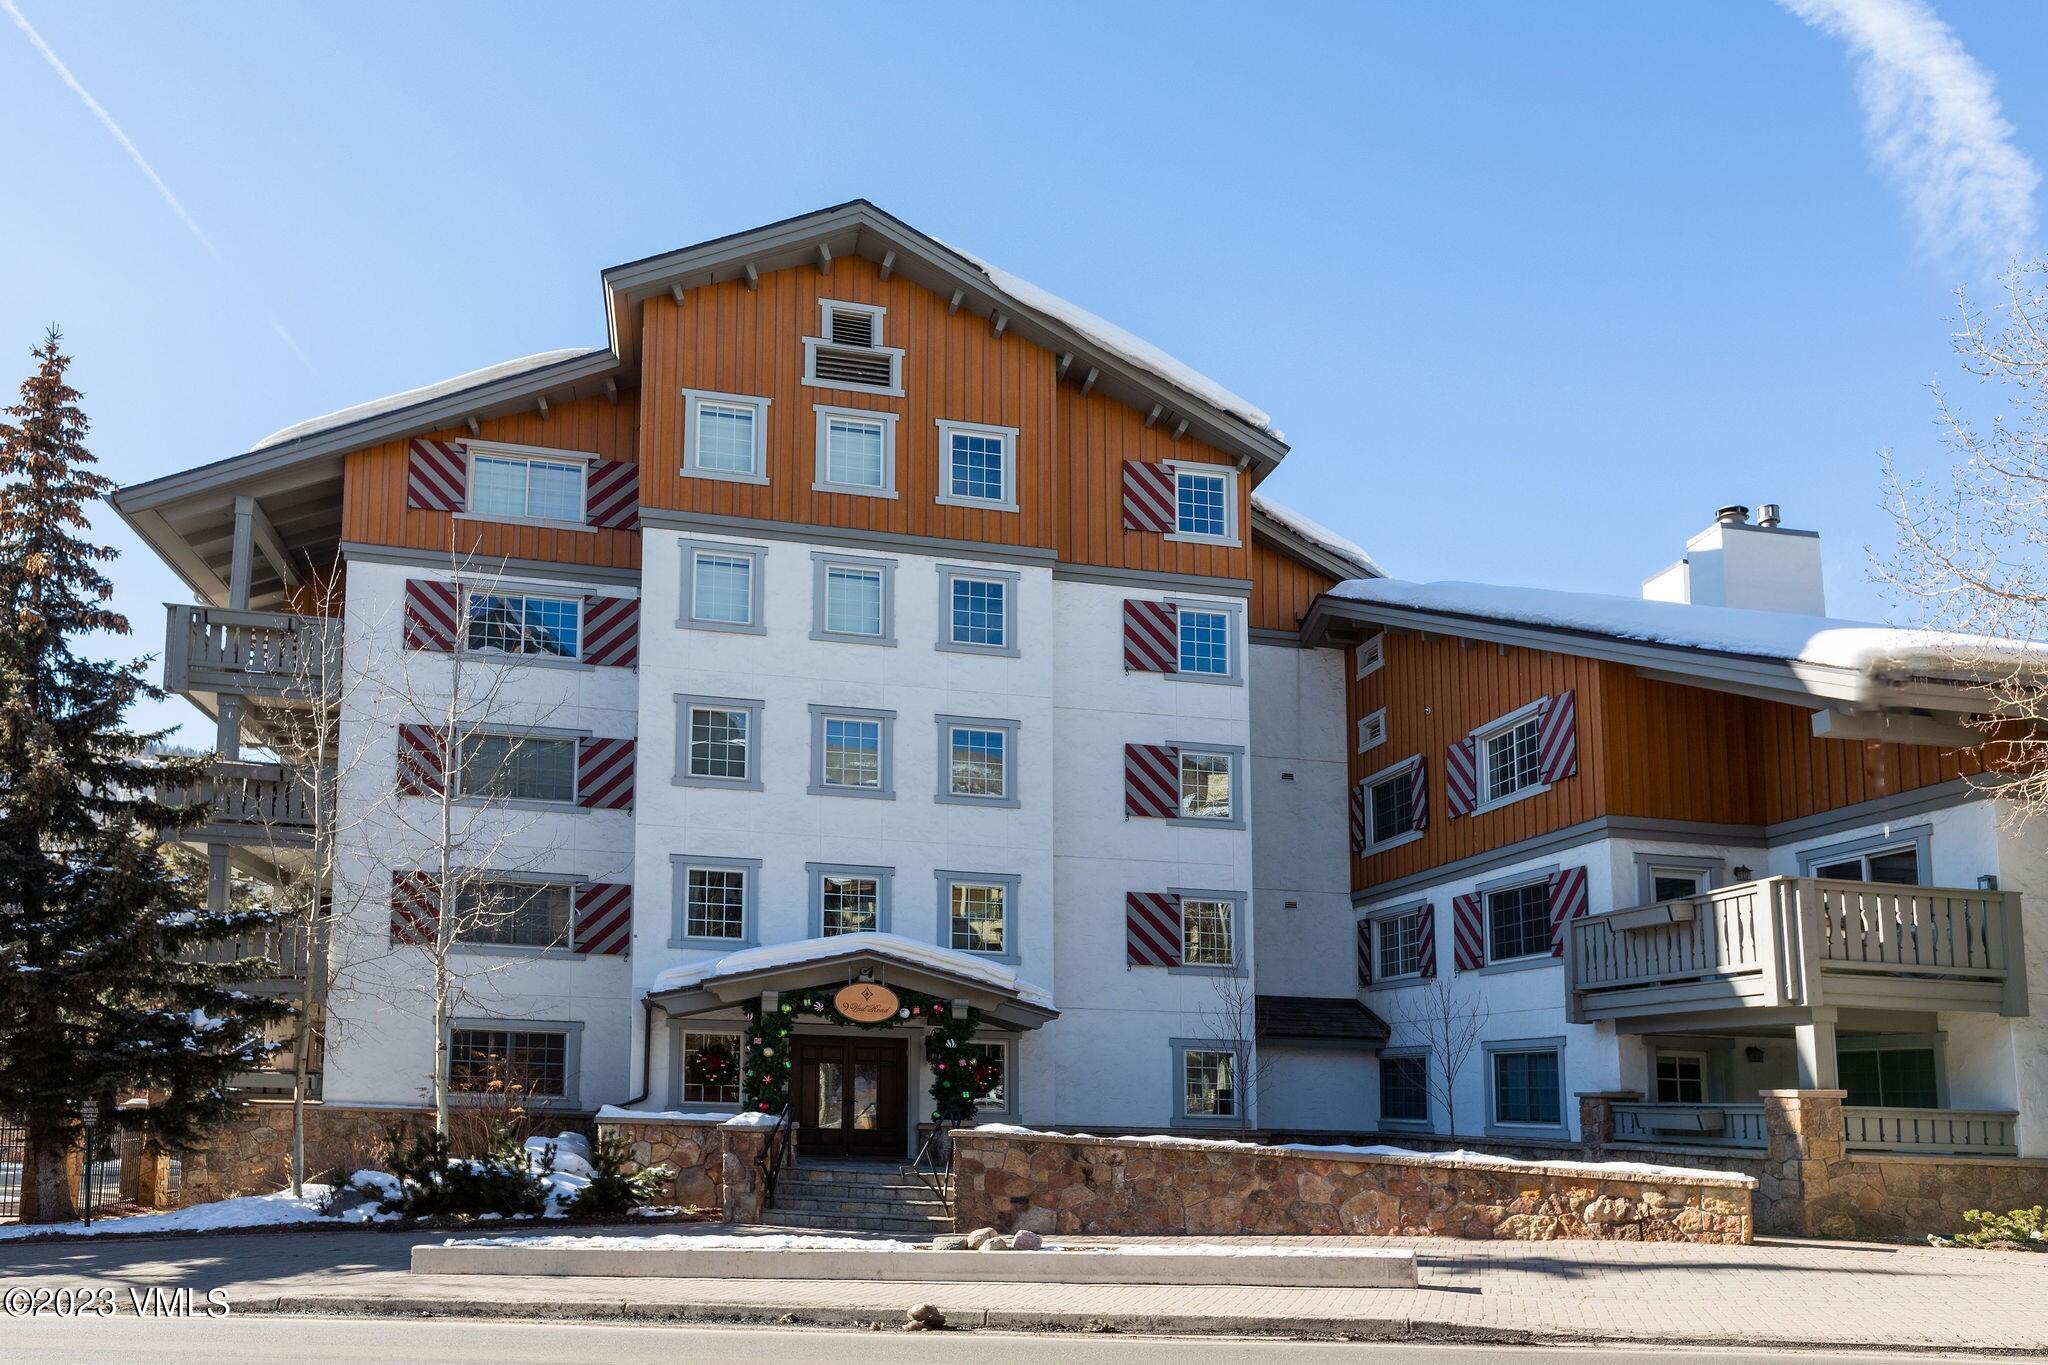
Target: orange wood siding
<point>726,338</point>
<point>1282,588</point>
<point>373,509</point>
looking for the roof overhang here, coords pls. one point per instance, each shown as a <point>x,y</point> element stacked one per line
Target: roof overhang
<point>860,228</point>
<point>859,963</point>
<point>1291,543</point>
<point>1819,687</point>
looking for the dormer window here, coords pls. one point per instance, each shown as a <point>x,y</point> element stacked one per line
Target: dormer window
<point>848,352</point>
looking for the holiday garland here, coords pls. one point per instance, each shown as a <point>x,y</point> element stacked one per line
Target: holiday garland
<point>958,1081</point>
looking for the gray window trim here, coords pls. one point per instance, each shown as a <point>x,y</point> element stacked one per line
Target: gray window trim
<point>684,777</point>
<point>572,1057</point>
<point>947,426</point>
<point>1238,943</point>
<point>1372,918</point>
<point>565,949</point>
<point>1371,780</point>
<point>885,891</point>
<point>690,468</point>
<point>1178,1049</point>
<point>1908,1042</point>
<point>1918,837</point>
<point>945,795</point>
<point>1426,1124</point>
<point>1494,1127</point>
<point>1481,734</point>
<point>1010,578</point>
<point>1713,872</point>
<point>1238,779</point>
<point>466,591</point>
<point>1233,534</point>
<point>569,805</point>
<point>825,412</point>
<point>1008,1043</point>
<point>887,766</point>
<point>822,563</point>
<point>758,553</point>
<point>1233,615</point>
<point>679,865</point>
<point>1484,890</point>
<point>1009,881</point>
<point>679,1027</point>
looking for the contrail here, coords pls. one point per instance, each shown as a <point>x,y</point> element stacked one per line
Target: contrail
<point>1931,114</point>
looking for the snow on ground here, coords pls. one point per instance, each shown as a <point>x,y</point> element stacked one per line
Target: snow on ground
<point>250,1211</point>
<point>1314,532</point>
<point>1860,646</point>
<point>906,950</point>
<point>377,407</point>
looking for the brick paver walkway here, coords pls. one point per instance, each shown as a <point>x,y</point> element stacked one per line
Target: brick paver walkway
<point>1776,1292</point>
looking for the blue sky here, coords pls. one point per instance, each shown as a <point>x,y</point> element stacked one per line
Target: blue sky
<point>1531,289</point>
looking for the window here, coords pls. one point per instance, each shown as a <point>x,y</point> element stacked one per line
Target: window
<point>514,623</point>
<point>980,914</point>
<point>716,901</point>
<point>1204,642</point>
<point>856,452</point>
<point>1390,806</point>
<point>853,599</point>
<point>1397,946</point>
<point>976,766</point>
<point>848,900</point>
<point>1675,883</point>
<point>1525,1087</point>
<point>525,488</point>
<point>513,767</point>
<point>975,466</point>
<point>848,352</point>
<point>1207,933</point>
<point>509,913</point>
<point>724,435</point>
<point>977,611</point>
<point>1898,866</point>
<point>991,1063</point>
<point>509,1061</point>
<point>1372,730</point>
<point>1206,786</point>
<point>1370,655</point>
<point>1509,756</point>
<point>722,587</point>
<point>1205,503</point>
<point>1902,1077</point>
<point>1518,921</point>
<point>710,1068</point>
<point>1681,1078</point>
<point>1209,1083</point>
<point>851,752</point>
<point>1404,1088</point>
<point>716,741</point>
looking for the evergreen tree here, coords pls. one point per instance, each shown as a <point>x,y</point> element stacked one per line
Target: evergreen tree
<point>97,1000</point>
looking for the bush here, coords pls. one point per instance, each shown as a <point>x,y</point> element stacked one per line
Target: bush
<point>611,1190</point>
<point>431,1184</point>
<point>2021,1230</point>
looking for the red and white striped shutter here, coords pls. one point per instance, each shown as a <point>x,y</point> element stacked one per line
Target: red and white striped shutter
<point>602,918</point>
<point>1358,817</point>
<point>1461,778</point>
<point>1468,932</point>
<point>611,631</point>
<point>1151,929</point>
<point>1425,940</point>
<point>1365,954</point>
<point>1152,781</point>
<point>1151,636</point>
<point>1419,811</point>
<point>1148,497</point>
<point>422,761</point>
<point>611,494</point>
<point>1557,743</point>
<point>415,908</point>
<point>604,773</point>
<point>1567,903</point>
<point>436,475</point>
<point>433,614</point>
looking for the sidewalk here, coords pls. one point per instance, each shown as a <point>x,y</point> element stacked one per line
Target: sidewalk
<point>1776,1293</point>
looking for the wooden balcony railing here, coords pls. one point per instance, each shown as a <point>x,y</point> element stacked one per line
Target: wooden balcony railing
<point>1974,1132</point>
<point>254,803</point>
<point>290,950</point>
<point>1690,1125</point>
<point>248,653</point>
<point>1801,941</point>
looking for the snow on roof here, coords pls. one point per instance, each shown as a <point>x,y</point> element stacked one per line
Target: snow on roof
<point>377,407</point>
<point>908,951</point>
<point>1317,534</point>
<point>1860,646</point>
<point>1125,345</point>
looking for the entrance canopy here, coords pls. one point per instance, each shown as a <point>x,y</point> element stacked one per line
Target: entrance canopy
<point>820,963</point>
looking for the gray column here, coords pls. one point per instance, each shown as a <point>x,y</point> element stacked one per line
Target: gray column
<point>1815,1044</point>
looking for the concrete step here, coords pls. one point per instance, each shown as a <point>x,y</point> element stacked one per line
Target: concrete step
<point>853,1175</point>
<point>861,1208</point>
<point>841,1189</point>
<point>834,1222</point>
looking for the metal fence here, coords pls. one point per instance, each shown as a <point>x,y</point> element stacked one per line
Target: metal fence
<point>99,1181</point>
<point>13,1142</point>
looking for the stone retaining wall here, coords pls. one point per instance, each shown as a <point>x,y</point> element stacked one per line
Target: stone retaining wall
<point>1057,1183</point>
<point>252,1153</point>
<point>695,1150</point>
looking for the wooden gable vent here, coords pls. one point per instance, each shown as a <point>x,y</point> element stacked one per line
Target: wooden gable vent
<point>850,354</point>
<point>853,328</point>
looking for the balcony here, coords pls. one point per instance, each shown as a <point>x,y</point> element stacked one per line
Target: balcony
<point>289,949</point>
<point>253,804</point>
<point>1792,944</point>
<point>1870,1128</point>
<point>210,651</point>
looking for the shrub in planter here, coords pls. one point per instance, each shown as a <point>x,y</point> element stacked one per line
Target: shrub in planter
<point>612,1191</point>
<point>431,1184</point>
<point>2019,1230</point>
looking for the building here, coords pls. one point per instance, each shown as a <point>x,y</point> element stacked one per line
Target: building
<point>864,617</point>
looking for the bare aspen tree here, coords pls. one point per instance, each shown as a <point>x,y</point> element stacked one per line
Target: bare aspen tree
<point>1449,1022</point>
<point>1232,1015</point>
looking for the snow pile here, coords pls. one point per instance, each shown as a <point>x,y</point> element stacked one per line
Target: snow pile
<point>1860,646</point>
<point>750,1121</point>
<point>614,1113</point>
<point>377,407</point>
<point>1125,345</point>
<point>249,1211</point>
<point>908,951</point>
<point>1319,535</point>
<point>686,1241</point>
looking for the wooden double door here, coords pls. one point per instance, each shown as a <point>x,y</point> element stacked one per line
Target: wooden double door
<point>852,1095</point>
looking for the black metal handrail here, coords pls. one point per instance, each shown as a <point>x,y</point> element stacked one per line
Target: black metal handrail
<point>934,1162</point>
<point>780,1151</point>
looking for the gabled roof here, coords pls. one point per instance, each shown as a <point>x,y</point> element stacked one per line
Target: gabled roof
<point>1310,541</point>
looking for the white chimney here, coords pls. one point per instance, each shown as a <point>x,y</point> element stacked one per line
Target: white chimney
<point>1760,565</point>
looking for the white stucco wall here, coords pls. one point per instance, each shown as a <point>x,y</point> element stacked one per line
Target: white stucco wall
<point>1300,852</point>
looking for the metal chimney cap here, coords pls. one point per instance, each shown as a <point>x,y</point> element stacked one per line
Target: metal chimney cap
<point>1768,516</point>
<point>1734,514</point>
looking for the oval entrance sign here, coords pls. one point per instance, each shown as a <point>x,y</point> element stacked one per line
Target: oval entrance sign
<point>866,1003</point>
